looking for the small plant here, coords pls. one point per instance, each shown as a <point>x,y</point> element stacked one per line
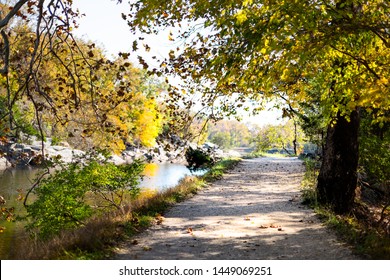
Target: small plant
<point>55,140</point>
<point>309,183</point>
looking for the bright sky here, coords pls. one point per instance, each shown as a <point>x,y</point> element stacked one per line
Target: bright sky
<point>103,24</point>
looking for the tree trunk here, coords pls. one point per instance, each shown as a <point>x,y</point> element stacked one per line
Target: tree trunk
<point>337,180</point>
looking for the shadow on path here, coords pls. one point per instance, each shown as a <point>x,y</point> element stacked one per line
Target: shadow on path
<point>254,212</point>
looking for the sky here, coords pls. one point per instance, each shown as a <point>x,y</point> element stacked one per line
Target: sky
<point>103,24</point>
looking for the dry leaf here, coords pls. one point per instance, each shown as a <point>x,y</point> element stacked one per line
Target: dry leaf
<point>263,226</point>
<point>159,219</point>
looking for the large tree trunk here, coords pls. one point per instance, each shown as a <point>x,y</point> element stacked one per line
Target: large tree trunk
<point>337,180</point>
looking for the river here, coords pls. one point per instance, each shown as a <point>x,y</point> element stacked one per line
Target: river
<point>156,176</point>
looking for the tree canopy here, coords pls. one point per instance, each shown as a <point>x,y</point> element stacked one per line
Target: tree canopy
<point>259,49</point>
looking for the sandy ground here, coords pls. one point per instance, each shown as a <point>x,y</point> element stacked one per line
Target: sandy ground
<point>254,212</point>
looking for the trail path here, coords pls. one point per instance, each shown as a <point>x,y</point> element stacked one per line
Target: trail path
<point>254,212</point>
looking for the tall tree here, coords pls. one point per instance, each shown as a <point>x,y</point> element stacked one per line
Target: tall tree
<point>66,85</point>
<point>259,49</point>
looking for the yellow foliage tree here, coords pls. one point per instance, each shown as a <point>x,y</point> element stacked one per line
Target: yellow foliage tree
<point>148,123</point>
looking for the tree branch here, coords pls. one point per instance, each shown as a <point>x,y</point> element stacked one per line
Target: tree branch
<point>360,60</point>
<point>4,22</point>
<point>4,71</point>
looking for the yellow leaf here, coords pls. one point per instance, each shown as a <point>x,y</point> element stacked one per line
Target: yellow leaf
<point>247,3</point>
<point>384,81</point>
<point>170,36</point>
<point>241,16</point>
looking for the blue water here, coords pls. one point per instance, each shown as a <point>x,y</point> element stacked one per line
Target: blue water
<point>166,175</point>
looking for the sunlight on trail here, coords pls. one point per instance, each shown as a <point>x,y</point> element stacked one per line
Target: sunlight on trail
<point>254,212</point>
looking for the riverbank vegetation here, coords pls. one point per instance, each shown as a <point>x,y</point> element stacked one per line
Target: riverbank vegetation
<point>97,236</point>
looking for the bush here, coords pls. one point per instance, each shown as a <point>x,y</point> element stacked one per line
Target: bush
<point>197,158</point>
<point>75,192</point>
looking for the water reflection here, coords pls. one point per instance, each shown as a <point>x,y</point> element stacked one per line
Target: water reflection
<point>163,176</point>
<point>16,178</point>
<point>12,180</point>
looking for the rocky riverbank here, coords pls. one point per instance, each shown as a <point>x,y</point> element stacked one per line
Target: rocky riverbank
<point>167,151</point>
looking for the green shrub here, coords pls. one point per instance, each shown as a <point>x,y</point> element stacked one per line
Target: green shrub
<point>76,191</point>
<point>197,158</point>
<point>309,182</point>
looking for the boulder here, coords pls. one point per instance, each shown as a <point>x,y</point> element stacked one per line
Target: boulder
<point>4,163</point>
<point>116,160</point>
<point>59,148</point>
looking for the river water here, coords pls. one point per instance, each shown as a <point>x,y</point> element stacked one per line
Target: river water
<point>157,176</point>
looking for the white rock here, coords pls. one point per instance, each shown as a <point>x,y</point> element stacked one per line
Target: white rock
<point>117,160</point>
<point>4,163</point>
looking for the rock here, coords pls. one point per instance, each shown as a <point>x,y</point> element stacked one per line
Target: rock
<point>37,144</point>
<point>117,160</point>
<point>64,144</point>
<point>4,163</point>
<point>59,148</point>
<point>27,150</point>
<point>36,148</point>
<point>148,157</point>
<point>19,146</point>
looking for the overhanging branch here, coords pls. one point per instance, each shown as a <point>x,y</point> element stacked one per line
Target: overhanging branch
<point>15,9</point>
<point>4,70</point>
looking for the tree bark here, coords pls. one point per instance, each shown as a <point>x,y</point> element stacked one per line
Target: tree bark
<point>337,180</point>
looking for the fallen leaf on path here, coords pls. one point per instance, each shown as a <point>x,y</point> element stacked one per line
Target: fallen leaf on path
<point>189,230</point>
<point>146,248</point>
<point>247,219</point>
<point>159,219</point>
<point>263,226</point>
<point>280,229</point>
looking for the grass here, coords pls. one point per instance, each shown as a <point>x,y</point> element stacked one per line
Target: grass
<point>359,228</point>
<point>100,235</point>
<point>265,154</point>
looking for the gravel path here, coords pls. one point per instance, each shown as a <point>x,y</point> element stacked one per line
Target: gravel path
<point>254,212</point>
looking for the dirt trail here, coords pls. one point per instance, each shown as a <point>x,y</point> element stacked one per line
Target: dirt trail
<point>254,212</point>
